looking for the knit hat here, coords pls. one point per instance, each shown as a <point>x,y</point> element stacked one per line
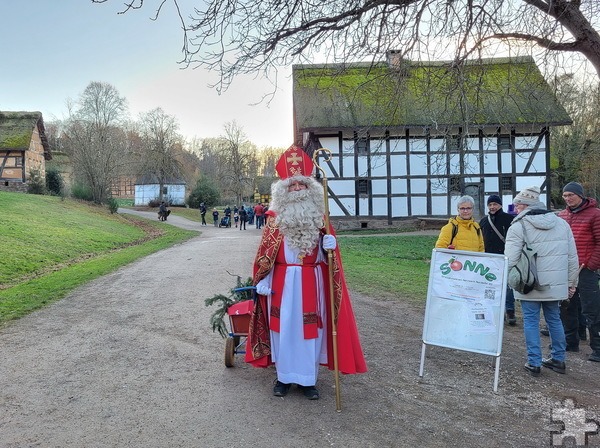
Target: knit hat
<point>574,187</point>
<point>494,198</point>
<point>528,196</point>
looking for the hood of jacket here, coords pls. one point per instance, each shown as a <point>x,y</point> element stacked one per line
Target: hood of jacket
<point>538,216</point>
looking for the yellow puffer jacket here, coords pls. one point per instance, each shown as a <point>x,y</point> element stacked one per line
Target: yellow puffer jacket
<point>468,236</point>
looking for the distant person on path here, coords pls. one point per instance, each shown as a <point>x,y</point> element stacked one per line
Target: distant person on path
<point>243,215</point>
<point>215,214</point>
<point>250,214</point>
<point>583,216</point>
<point>259,211</point>
<point>462,232</point>
<point>557,269</point>
<point>291,324</point>
<point>203,213</point>
<point>494,227</point>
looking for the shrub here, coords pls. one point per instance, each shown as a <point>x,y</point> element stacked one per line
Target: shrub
<point>113,205</point>
<point>36,183</point>
<point>204,191</point>
<point>54,182</point>
<point>83,192</point>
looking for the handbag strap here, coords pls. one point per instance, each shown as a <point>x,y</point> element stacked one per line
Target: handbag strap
<point>496,230</point>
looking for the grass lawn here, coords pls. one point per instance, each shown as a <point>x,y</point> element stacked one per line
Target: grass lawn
<point>50,246</point>
<point>388,266</point>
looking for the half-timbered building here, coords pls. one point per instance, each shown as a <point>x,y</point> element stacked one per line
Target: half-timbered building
<point>408,138</point>
<point>24,148</point>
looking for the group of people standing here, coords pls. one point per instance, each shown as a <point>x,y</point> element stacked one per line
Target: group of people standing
<point>241,216</point>
<point>568,259</point>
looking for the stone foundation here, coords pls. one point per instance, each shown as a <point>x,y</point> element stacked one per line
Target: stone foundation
<point>13,187</point>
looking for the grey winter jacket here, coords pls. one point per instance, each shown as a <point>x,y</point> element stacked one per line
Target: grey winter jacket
<point>557,262</point>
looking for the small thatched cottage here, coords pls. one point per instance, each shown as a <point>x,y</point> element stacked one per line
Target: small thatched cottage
<point>408,138</point>
<point>24,149</point>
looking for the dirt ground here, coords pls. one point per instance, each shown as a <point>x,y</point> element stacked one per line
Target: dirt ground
<point>129,361</point>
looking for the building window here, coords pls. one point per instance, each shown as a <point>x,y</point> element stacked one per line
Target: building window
<point>363,187</point>
<point>504,143</point>
<point>361,147</point>
<point>19,161</point>
<point>454,184</point>
<point>453,144</point>
<point>507,184</point>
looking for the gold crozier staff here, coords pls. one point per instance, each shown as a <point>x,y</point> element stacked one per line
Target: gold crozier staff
<point>336,371</point>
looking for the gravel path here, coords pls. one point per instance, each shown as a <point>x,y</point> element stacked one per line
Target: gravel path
<point>128,360</point>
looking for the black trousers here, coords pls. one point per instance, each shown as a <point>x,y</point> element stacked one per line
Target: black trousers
<point>587,296</point>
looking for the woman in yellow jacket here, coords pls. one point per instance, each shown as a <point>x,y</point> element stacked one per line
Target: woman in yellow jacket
<point>462,232</point>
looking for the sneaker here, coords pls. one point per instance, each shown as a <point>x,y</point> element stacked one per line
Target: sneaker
<point>535,371</point>
<point>545,332</point>
<point>280,389</point>
<point>595,356</point>
<point>310,392</point>
<point>510,318</point>
<point>553,364</point>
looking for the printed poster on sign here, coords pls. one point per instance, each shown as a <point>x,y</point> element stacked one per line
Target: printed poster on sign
<point>465,297</point>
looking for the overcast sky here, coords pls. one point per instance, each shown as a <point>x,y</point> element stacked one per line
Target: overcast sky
<point>50,50</point>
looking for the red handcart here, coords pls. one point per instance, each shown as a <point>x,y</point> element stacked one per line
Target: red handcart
<point>239,322</point>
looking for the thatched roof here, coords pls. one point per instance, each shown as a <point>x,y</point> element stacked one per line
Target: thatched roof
<point>16,130</point>
<point>499,91</point>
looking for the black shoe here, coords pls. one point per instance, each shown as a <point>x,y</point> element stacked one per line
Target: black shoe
<point>281,389</point>
<point>595,356</point>
<point>545,332</point>
<point>510,318</point>
<point>553,364</point>
<point>310,392</point>
<point>572,349</point>
<point>535,371</point>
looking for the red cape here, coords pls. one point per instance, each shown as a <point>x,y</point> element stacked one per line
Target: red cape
<point>258,348</point>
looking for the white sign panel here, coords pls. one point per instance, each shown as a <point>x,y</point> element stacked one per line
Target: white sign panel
<point>465,301</point>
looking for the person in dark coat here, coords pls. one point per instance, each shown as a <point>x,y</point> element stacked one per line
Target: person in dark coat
<point>494,227</point>
<point>243,217</point>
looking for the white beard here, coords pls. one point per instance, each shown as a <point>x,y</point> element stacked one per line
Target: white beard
<point>300,218</point>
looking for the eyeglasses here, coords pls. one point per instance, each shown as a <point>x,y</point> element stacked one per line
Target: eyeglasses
<point>465,209</point>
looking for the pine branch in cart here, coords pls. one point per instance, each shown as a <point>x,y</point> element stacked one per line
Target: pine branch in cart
<point>223,302</point>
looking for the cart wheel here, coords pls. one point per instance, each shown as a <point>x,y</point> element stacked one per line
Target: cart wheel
<point>229,352</point>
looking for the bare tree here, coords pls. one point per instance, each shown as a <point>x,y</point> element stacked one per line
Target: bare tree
<point>160,141</point>
<point>249,36</point>
<point>238,161</point>
<point>576,148</point>
<point>94,140</point>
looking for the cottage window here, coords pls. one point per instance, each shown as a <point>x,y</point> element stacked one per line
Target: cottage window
<point>507,184</point>
<point>363,187</point>
<point>454,184</point>
<point>452,144</point>
<point>504,143</point>
<point>361,147</point>
<point>18,161</point>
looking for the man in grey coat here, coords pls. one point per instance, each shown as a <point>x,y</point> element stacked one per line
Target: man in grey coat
<point>557,269</point>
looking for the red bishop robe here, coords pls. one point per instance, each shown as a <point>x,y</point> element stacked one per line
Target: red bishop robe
<point>258,346</point>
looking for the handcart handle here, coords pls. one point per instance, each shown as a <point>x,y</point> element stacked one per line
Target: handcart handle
<point>246,288</point>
